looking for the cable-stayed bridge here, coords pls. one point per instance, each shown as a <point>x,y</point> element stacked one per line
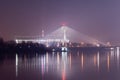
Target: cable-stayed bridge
<point>63,35</point>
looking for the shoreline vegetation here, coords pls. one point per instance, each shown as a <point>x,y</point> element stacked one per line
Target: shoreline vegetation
<point>13,47</point>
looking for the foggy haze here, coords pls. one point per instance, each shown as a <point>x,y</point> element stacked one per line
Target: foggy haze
<point>97,18</point>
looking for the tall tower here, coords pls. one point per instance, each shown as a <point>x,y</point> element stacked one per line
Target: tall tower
<point>64,33</point>
<point>43,34</point>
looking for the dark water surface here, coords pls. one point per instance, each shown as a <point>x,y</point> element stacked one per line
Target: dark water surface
<point>75,65</point>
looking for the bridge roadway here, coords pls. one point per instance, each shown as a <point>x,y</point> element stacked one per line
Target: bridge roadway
<point>65,49</point>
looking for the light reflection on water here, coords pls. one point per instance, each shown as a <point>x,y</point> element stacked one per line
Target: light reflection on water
<point>89,65</point>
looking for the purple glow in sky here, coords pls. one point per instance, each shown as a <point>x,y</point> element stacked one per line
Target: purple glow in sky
<point>97,18</point>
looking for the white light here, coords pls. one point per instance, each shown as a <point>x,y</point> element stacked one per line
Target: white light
<point>16,41</point>
<point>16,65</point>
<point>53,49</point>
<point>98,60</point>
<point>111,48</point>
<point>16,59</point>
<point>64,49</point>
<point>98,45</point>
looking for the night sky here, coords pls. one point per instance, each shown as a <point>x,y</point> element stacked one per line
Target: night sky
<point>97,18</point>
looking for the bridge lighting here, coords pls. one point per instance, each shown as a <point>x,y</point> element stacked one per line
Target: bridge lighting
<point>111,48</point>
<point>98,45</point>
<point>108,44</point>
<point>58,44</point>
<point>82,43</point>
<point>53,50</point>
<point>47,45</point>
<point>43,34</point>
<point>60,36</point>
<point>16,41</point>
<point>63,27</point>
<point>64,49</point>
